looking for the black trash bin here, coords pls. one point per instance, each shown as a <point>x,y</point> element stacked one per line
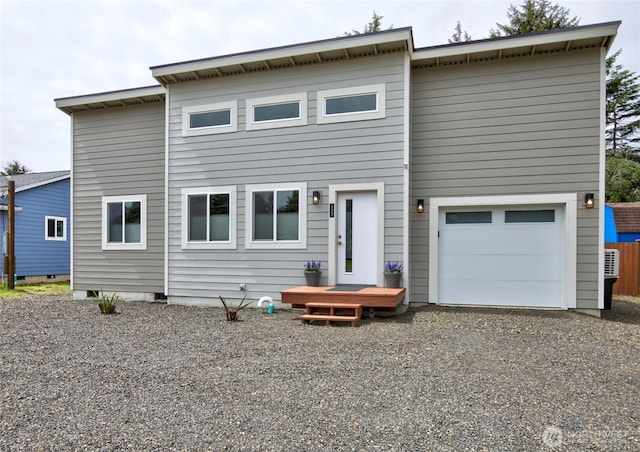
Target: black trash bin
<point>608,291</point>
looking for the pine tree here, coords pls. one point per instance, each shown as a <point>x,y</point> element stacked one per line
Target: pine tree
<point>13,168</point>
<point>371,27</point>
<point>457,35</point>
<point>623,110</point>
<point>532,16</point>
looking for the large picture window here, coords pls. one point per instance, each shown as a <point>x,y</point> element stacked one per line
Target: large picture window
<point>209,119</point>
<point>276,216</point>
<point>277,111</point>
<point>55,228</point>
<point>209,217</point>
<point>124,222</point>
<point>358,103</point>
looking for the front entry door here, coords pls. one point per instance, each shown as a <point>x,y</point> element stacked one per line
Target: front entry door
<point>357,238</point>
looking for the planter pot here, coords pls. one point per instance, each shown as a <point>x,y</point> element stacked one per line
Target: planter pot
<point>312,278</point>
<point>392,280</point>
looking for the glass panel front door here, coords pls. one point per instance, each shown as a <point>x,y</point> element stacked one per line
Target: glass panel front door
<point>357,238</point>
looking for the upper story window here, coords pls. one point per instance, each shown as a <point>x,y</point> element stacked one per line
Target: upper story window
<point>351,104</point>
<point>55,228</point>
<point>209,119</point>
<point>276,216</point>
<point>124,222</point>
<point>277,111</point>
<point>209,217</point>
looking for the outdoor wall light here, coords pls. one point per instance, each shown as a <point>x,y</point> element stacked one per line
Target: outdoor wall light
<point>420,206</point>
<point>317,197</point>
<point>588,201</point>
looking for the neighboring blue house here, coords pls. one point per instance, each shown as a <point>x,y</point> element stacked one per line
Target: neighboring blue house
<point>610,231</point>
<point>622,222</point>
<point>41,224</point>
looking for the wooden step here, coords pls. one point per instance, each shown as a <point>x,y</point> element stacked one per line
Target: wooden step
<point>331,318</point>
<point>330,312</point>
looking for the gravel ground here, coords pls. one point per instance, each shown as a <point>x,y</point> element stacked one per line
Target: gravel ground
<point>163,377</point>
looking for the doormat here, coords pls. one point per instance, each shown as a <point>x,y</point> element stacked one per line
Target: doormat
<point>348,288</point>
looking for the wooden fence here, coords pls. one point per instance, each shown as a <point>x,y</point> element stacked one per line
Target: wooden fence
<point>629,280</point>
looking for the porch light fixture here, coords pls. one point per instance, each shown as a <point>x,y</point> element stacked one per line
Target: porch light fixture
<point>588,201</point>
<point>317,197</point>
<point>420,206</point>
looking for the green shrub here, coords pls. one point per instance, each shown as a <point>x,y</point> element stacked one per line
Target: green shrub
<point>107,303</point>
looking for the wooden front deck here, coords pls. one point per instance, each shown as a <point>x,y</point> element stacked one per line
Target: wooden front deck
<point>380,298</point>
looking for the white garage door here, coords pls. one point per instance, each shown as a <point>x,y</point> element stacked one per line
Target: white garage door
<point>501,256</point>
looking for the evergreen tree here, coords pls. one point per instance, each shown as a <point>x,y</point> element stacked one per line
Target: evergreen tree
<point>623,110</point>
<point>371,27</point>
<point>13,168</point>
<point>534,15</point>
<point>457,35</point>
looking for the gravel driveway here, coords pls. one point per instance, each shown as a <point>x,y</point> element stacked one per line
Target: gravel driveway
<point>166,377</point>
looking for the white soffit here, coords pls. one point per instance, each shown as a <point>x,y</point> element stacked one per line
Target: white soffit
<point>588,36</point>
<point>342,48</point>
<point>122,98</point>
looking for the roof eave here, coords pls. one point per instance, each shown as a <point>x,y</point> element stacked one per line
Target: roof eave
<point>44,182</point>
<point>166,73</point>
<point>132,96</point>
<point>606,31</point>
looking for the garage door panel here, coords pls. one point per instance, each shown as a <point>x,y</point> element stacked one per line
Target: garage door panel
<point>502,264</point>
<point>501,293</point>
<point>520,267</point>
<point>504,241</point>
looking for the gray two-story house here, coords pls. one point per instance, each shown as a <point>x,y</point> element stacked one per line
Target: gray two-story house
<point>479,166</point>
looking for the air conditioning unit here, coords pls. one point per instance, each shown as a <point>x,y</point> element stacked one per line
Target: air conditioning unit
<point>611,263</point>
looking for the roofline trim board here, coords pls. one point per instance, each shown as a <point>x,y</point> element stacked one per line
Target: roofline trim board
<point>308,48</point>
<point>515,41</point>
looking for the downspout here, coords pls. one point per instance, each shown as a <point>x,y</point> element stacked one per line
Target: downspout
<point>406,220</point>
<point>166,192</point>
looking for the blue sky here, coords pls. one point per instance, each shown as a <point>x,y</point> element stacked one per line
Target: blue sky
<point>60,48</point>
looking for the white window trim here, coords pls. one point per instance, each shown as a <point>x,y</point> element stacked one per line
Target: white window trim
<point>202,245</point>
<point>568,200</point>
<point>301,120</point>
<point>378,113</point>
<point>232,106</point>
<point>301,243</point>
<point>143,223</point>
<point>64,229</point>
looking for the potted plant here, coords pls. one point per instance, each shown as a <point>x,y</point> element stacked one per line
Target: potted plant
<point>312,273</point>
<point>392,274</point>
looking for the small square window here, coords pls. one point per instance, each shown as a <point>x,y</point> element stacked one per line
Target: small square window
<point>277,216</point>
<point>124,222</point>
<point>209,218</point>
<point>55,228</point>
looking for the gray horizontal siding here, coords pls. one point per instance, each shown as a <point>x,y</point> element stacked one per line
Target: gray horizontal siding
<point>118,152</point>
<point>318,154</point>
<point>523,126</point>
